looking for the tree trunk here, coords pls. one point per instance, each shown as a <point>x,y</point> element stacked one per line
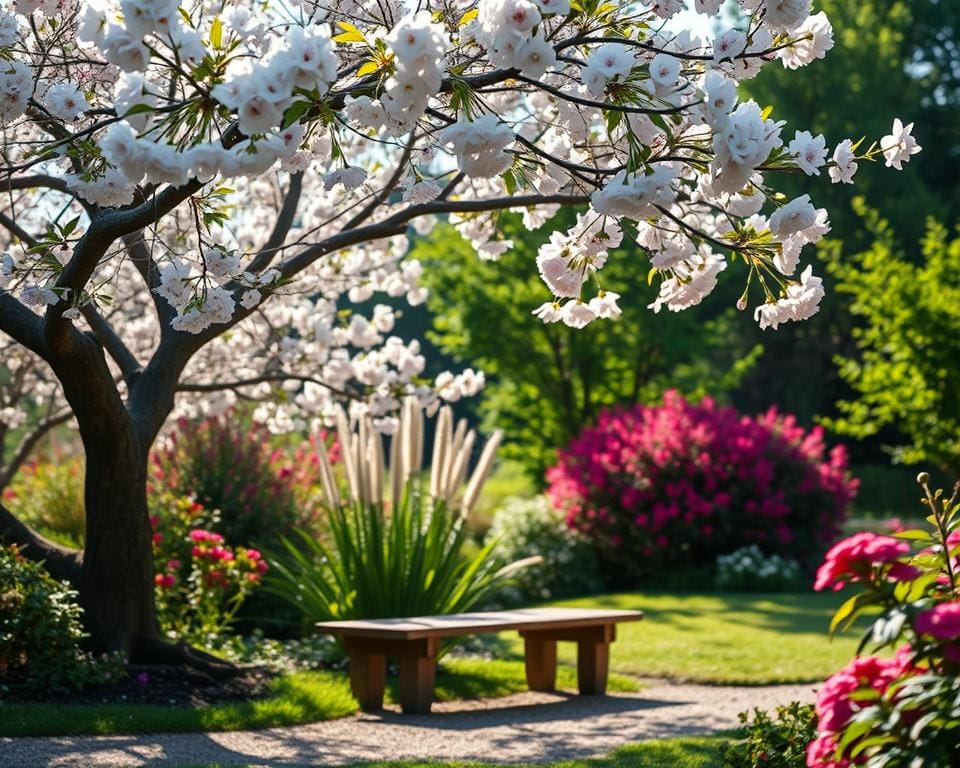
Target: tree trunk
<point>116,580</point>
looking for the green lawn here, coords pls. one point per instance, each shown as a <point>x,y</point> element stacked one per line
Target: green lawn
<point>302,697</point>
<point>723,638</point>
<point>703,752</point>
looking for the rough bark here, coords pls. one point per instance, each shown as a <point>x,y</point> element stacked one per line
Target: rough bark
<point>116,580</point>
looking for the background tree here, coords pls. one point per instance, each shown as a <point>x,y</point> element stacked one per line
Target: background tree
<point>546,382</point>
<point>907,369</point>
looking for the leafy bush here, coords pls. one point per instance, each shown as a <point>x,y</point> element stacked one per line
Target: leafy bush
<point>525,527</point>
<point>261,492</point>
<point>773,743</point>
<point>681,483</point>
<point>405,556</point>
<point>901,711</point>
<point>40,630</point>
<point>201,582</point>
<point>49,496</point>
<point>749,570</point>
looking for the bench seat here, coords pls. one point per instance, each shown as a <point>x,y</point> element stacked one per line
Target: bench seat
<point>415,642</point>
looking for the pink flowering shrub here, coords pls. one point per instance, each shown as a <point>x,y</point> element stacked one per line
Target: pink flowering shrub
<point>200,581</point>
<point>684,482</point>
<point>262,491</point>
<point>904,710</point>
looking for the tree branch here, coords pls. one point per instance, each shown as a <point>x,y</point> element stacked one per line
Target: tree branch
<point>121,354</point>
<point>61,562</point>
<point>268,377</point>
<point>28,443</point>
<point>367,211</point>
<point>141,259</point>
<point>16,230</point>
<point>282,227</point>
<point>22,325</point>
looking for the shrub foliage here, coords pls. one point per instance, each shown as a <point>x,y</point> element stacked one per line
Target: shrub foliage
<point>200,579</point>
<point>532,527</point>
<point>40,629</point>
<point>681,483</point>
<point>224,463</point>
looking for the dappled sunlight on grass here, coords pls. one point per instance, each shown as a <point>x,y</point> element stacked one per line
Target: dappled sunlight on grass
<point>297,698</point>
<point>724,638</point>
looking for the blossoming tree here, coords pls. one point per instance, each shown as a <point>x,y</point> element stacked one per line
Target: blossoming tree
<point>193,195</point>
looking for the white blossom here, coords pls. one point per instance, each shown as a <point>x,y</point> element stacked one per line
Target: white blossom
<point>899,145</point>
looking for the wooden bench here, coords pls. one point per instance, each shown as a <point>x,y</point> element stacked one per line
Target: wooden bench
<point>415,643</point>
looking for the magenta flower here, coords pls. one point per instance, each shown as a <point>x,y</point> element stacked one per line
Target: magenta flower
<point>685,482</point>
<point>941,622</point>
<point>852,558</point>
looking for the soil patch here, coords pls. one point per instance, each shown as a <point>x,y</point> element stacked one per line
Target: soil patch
<point>175,686</point>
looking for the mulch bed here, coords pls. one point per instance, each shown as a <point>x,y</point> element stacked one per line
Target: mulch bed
<point>175,686</point>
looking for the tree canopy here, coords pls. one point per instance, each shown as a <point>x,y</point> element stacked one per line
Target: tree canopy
<point>906,373</point>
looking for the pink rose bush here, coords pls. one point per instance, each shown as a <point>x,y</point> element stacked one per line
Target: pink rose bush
<point>200,580</point>
<point>904,710</point>
<point>684,482</point>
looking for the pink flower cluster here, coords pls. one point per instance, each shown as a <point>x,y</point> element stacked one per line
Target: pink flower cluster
<point>688,481</point>
<point>855,557</point>
<point>841,698</point>
<point>942,622</point>
<point>208,548</point>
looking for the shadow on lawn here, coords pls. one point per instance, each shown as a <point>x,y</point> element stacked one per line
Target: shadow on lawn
<point>786,613</point>
<point>555,728</point>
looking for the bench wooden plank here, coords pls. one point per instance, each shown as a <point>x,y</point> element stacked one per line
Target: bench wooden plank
<point>476,623</point>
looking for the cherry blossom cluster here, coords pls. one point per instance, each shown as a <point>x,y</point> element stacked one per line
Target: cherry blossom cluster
<point>252,169</point>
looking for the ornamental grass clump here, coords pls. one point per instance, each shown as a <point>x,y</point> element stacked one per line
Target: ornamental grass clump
<point>680,483</point>
<point>899,711</point>
<point>396,540</point>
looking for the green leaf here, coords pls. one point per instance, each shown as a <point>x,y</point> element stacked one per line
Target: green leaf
<point>367,68</point>
<point>294,112</point>
<point>914,534</point>
<point>350,34</point>
<point>138,109</point>
<point>844,611</point>
<point>216,33</point>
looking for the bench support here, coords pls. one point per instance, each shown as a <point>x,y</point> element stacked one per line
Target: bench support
<point>418,669</point>
<point>592,664</point>
<point>367,673</point>
<point>593,657</point>
<point>540,659</point>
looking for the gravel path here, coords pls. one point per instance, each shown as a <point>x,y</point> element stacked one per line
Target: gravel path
<point>527,727</point>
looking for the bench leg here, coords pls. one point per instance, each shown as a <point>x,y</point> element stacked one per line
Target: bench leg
<point>593,660</point>
<point>540,659</point>
<point>417,677</point>
<point>367,677</point>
